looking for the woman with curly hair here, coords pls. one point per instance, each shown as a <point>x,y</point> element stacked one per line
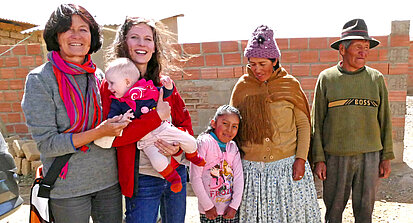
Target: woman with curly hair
<point>148,44</point>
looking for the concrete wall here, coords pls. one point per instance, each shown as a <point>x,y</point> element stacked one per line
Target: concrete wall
<point>410,71</point>
<point>109,34</point>
<point>210,77</point>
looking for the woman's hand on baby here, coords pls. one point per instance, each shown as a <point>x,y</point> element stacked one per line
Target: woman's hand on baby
<point>167,149</point>
<point>167,82</point>
<point>229,213</point>
<point>163,108</point>
<point>298,169</point>
<point>211,214</point>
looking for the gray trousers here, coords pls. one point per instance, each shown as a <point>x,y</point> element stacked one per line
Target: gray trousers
<point>359,174</point>
<point>103,206</point>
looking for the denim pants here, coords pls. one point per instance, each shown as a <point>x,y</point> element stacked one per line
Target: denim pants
<point>103,206</point>
<point>154,192</point>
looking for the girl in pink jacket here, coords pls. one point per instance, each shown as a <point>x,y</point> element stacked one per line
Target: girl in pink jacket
<point>220,183</point>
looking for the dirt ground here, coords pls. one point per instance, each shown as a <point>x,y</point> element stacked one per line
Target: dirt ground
<point>394,203</point>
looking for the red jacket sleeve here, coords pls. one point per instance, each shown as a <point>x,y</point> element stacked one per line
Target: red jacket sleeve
<point>134,131</point>
<point>179,113</point>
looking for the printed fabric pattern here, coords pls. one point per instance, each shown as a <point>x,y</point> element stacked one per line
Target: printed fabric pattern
<point>141,90</point>
<point>220,182</point>
<point>271,194</point>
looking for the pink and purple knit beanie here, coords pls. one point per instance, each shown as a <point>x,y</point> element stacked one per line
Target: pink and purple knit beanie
<point>262,44</point>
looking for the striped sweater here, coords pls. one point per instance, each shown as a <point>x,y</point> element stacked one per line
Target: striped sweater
<point>351,114</point>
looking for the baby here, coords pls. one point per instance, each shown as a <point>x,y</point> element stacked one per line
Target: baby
<point>131,95</point>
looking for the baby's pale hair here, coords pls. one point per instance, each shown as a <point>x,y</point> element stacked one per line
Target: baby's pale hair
<point>125,67</point>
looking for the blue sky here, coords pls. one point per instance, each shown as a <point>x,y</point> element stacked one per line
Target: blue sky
<point>220,20</point>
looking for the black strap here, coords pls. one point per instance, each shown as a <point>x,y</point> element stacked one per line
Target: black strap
<point>48,181</point>
<point>136,172</point>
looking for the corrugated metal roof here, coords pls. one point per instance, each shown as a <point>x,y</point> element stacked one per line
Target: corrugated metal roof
<point>36,28</point>
<point>15,22</point>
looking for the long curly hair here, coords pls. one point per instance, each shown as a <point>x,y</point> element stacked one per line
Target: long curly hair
<point>165,59</point>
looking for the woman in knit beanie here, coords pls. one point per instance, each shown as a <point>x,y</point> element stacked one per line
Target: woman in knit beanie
<point>274,137</point>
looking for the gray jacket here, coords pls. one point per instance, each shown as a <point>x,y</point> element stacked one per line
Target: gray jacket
<point>47,119</point>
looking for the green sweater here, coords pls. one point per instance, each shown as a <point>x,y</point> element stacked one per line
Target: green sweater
<point>351,114</point>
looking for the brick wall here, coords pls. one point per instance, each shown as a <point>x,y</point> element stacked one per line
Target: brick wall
<point>214,73</point>
<point>14,66</point>
<point>210,77</point>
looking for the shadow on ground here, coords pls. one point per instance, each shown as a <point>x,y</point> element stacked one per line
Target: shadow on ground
<point>399,186</point>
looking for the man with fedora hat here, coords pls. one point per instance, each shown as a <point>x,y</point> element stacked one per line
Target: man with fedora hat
<point>351,126</point>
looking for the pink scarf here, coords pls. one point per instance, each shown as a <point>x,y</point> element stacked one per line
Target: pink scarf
<point>84,111</point>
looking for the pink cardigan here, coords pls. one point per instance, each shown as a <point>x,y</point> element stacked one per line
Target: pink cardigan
<point>220,182</point>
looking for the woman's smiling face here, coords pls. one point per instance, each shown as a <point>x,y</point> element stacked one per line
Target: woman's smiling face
<point>141,44</point>
<point>74,44</point>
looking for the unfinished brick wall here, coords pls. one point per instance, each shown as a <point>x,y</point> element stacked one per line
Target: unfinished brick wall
<point>14,67</point>
<point>10,35</point>
<point>215,71</point>
<point>211,75</point>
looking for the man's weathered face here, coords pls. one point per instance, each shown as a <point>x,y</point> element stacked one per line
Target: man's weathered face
<point>355,56</point>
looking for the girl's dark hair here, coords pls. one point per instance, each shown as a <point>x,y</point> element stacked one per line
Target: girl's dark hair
<point>61,20</point>
<point>223,110</point>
